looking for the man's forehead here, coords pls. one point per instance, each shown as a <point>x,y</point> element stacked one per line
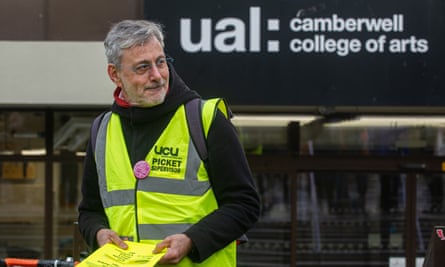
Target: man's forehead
<point>149,50</point>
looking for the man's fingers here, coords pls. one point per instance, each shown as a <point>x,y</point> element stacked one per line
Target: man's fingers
<point>105,236</point>
<point>119,242</point>
<point>160,246</point>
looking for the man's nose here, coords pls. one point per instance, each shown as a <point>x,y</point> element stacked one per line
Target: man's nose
<point>154,73</point>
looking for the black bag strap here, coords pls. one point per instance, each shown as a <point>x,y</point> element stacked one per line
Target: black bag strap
<point>194,120</point>
<point>196,129</point>
<point>94,129</point>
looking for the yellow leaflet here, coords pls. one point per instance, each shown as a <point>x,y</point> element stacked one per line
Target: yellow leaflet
<point>110,255</point>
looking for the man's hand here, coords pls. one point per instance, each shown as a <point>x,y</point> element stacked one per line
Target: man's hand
<point>178,246</point>
<point>105,236</point>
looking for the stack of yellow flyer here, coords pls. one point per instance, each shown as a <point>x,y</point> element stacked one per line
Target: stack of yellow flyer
<point>110,255</point>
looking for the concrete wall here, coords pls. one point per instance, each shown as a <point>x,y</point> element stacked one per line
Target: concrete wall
<point>54,73</point>
<point>51,50</point>
<point>79,20</point>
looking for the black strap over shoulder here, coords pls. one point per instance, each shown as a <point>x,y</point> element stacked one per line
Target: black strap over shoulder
<point>94,129</point>
<point>196,129</point>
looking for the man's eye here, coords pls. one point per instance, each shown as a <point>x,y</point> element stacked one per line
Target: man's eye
<point>161,62</point>
<point>142,67</point>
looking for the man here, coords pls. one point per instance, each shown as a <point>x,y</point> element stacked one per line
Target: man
<point>141,179</point>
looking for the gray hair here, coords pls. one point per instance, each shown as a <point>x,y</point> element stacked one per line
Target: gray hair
<point>128,33</point>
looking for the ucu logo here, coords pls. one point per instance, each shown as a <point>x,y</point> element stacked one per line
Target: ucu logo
<point>166,151</point>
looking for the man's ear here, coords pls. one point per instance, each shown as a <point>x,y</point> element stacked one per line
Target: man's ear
<point>114,75</point>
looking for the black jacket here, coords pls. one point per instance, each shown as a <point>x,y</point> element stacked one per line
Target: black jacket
<point>227,166</point>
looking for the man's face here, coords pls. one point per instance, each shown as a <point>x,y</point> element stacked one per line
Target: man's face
<point>143,74</point>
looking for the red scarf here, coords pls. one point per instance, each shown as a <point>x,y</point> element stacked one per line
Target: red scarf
<point>120,101</point>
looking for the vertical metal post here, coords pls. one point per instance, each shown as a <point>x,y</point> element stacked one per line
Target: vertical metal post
<point>76,242</point>
<point>293,224</point>
<point>48,218</point>
<point>410,217</point>
<point>293,142</point>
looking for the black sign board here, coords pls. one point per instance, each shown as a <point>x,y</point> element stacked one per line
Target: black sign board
<point>308,53</point>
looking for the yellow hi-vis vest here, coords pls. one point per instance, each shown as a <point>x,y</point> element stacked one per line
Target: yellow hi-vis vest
<point>176,193</point>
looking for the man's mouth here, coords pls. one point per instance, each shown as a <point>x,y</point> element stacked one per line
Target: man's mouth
<point>156,86</point>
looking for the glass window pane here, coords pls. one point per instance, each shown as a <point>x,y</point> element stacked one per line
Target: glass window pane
<point>355,218</point>
<point>430,208</point>
<point>269,241</point>
<point>22,209</point>
<point>22,132</point>
<point>364,135</point>
<point>67,179</point>
<point>72,131</point>
<point>342,219</point>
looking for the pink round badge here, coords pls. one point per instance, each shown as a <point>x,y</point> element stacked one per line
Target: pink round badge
<point>141,169</point>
